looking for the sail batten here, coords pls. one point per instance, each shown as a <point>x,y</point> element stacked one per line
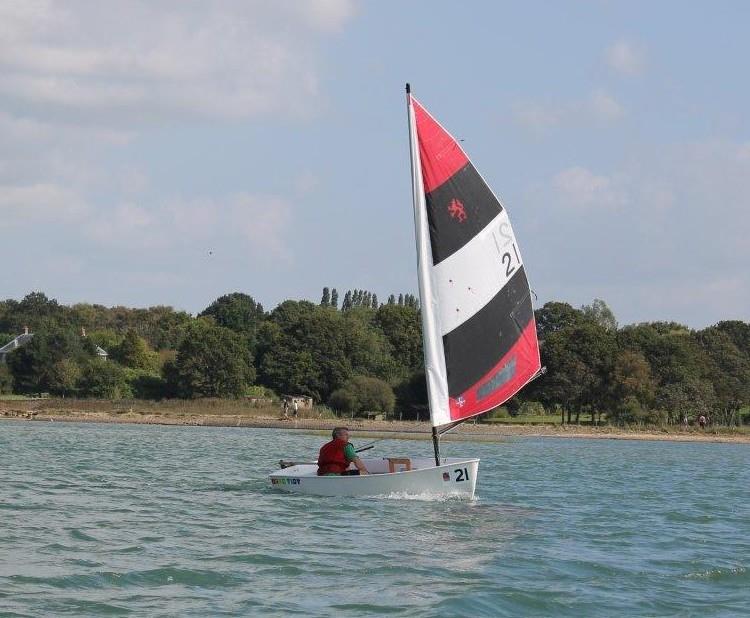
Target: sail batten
<point>480,340</point>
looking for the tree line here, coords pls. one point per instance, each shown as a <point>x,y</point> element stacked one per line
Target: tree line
<point>367,356</point>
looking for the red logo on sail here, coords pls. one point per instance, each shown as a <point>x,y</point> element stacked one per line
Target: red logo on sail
<point>456,210</point>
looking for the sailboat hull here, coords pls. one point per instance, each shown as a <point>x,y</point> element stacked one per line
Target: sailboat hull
<point>454,477</point>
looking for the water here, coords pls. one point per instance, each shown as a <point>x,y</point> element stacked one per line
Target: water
<point>178,521</point>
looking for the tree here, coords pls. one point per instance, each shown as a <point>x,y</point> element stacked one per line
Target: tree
<point>325,301</point>
<point>212,361</point>
<point>6,380</point>
<point>632,378</point>
<point>334,298</point>
<point>391,299</point>
<point>411,396</point>
<point>347,304</point>
<point>554,316</point>
<point>401,299</point>
<point>600,313</point>
<point>35,366</point>
<point>103,380</point>
<point>238,312</point>
<point>374,303</point>
<point>402,327</point>
<point>363,394</point>
<point>133,352</point>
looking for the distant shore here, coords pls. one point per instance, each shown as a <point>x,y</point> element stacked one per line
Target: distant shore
<point>223,414</point>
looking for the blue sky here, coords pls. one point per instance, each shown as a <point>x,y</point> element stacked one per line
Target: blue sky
<point>135,140</point>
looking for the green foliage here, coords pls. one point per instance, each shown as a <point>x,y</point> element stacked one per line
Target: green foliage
<point>411,396</point>
<point>644,373</point>
<point>6,338</point>
<point>133,352</point>
<point>402,328</point>
<point>103,379</point>
<point>325,301</point>
<point>600,313</point>
<point>363,394</point>
<point>212,361</point>
<point>38,366</point>
<point>6,380</point>
<point>531,408</point>
<point>107,339</point>
<point>238,312</point>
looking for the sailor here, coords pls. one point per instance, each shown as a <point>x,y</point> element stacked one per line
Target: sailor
<point>336,455</point>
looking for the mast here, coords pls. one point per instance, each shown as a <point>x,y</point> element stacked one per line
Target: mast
<point>424,260</point>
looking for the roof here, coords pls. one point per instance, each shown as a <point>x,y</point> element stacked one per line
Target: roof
<point>16,343</point>
<point>24,338</point>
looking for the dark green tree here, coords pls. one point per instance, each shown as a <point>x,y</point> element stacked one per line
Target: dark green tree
<point>325,300</point>
<point>334,298</point>
<point>133,352</point>
<point>363,394</point>
<point>103,380</point>
<point>212,361</point>
<point>238,312</point>
<point>39,365</point>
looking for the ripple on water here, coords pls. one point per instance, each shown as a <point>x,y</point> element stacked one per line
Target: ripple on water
<point>181,521</point>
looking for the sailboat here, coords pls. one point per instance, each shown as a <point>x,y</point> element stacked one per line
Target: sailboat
<point>480,340</point>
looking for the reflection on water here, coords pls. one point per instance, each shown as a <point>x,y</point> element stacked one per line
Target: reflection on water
<point>181,521</point>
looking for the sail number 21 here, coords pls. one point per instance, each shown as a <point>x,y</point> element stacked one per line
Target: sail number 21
<point>506,256</point>
<point>462,474</point>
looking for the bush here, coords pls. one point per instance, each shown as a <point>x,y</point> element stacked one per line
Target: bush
<point>146,384</point>
<point>499,412</point>
<point>344,400</point>
<point>531,408</point>
<point>104,380</point>
<point>363,394</point>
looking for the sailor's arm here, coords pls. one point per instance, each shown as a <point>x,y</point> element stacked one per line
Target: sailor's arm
<point>360,466</point>
<point>351,457</point>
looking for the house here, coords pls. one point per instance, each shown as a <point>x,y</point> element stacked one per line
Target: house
<point>22,339</point>
<point>18,342</point>
<point>303,401</point>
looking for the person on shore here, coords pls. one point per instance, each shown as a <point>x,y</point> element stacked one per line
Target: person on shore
<point>702,421</point>
<point>336,456</point>
<point>286,408</point>
<point>296,408</point>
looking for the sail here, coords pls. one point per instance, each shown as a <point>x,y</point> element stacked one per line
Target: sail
<point>480,341</point>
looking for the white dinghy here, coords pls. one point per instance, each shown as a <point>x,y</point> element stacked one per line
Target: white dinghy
<point>387,477</point>
<point>480,342</point>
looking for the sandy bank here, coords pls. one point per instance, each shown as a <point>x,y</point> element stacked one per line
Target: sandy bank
<point>27,411</point>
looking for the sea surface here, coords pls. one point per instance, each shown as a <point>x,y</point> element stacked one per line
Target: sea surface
<point>129,520</point>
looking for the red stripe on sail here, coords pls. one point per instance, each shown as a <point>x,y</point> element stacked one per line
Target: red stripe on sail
<point>440,155</point>
<point>525,355</point>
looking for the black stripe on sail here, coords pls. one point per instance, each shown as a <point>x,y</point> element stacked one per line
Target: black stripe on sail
<point>477,345</point>
<point>458,210</point>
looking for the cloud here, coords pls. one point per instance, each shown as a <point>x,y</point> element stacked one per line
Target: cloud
<point>600,107</point>
<point>39,203</point>
<point>254,225</point>
<point>581,189</point>
<point>625,57</point>
<point>663,233</point>
<point>152,61</point>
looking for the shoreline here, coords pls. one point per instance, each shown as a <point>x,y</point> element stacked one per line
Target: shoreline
<point>392,429</point>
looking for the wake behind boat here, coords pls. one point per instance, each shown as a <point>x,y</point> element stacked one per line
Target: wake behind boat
<point>480,341</point>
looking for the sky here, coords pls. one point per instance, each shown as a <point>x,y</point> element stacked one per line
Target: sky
<point>166,153</point>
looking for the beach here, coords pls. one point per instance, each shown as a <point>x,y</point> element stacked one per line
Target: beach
<point>222,413</point>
